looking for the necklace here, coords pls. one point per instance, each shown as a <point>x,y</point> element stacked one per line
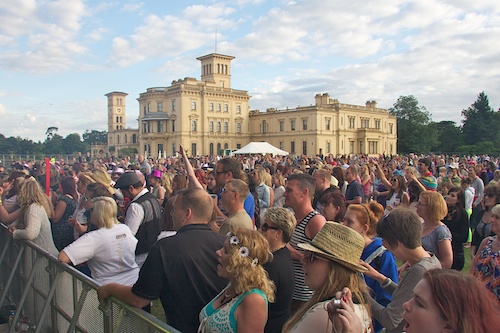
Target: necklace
<point>226,298</point>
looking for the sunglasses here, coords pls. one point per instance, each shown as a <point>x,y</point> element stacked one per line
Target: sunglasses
<point>393,180</point>
<point>266,227</point>
<point>311,256</point>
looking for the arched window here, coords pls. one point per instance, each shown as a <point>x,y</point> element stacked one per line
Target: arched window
<point>211,126</point>
<point>218,126</point>
<point>226,127</point>
<point>134,138</point>
<point>211,149</point>
<point>218,149</point>
<point>118,139</point>
<point>264,126</point>
<point>238,127</point>
<point>125,138</point>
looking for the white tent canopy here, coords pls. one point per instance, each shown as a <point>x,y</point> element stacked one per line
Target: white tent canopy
<point>259,148</point>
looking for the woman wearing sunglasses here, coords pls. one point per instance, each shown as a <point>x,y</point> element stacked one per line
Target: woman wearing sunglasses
<point>481,217</point>
<point>278,227</point>
<point>331,263</point>
<point>443,301</point>
<point>396,194</point>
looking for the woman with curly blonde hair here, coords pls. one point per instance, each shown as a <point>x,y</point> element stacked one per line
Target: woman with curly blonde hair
<point>242,305</point>
<point>33,222</point>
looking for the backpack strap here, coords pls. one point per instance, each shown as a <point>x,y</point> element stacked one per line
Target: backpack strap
<point>375,254</point>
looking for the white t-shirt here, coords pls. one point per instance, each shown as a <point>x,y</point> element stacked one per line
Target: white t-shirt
<point>109,253</point>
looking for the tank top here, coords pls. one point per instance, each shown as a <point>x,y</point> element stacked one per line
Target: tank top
<point>487,268</point>
<point>222,319</point>
<point>301,292</point>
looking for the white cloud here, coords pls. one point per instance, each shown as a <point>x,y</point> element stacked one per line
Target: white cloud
<point>40,37</point>
<point>160,37</point>
<point>98,34</point>
<point>132,7</point>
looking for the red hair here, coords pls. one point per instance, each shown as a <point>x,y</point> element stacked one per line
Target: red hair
<point>463,301</point>
<point>200,174</point>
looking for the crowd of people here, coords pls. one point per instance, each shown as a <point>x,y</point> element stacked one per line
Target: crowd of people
<point>275,244</point>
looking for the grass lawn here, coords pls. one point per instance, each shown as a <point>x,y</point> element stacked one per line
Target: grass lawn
<point>157,309</point>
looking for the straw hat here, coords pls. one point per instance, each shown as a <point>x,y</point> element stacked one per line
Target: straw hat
<point>338,243</point>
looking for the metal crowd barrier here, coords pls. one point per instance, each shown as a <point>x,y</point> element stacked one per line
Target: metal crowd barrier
<point>49,296</point>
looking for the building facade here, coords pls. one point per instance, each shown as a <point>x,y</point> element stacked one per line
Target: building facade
<point>209,117</point>
<point>328,127</point>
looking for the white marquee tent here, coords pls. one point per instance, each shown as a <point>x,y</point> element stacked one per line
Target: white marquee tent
<point>259,148</point>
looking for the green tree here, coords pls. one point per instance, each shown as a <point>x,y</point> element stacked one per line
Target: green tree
<point>54,145</point>
<point>73,144</point>
<point>50,132</point>
<point>449,136</point>
<point>480,122</point>
<point>93,137</point>
<point>416,132</point>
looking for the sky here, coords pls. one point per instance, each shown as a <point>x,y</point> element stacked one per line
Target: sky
<point>59,58</point>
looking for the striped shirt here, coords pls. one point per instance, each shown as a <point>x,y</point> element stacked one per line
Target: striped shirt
<point>300,291</point>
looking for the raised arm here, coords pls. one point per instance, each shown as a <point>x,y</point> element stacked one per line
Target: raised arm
<point>381,176</point>
<point>193,181</point>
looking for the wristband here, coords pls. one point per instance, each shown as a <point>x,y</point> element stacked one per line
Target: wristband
<point>386,283</point>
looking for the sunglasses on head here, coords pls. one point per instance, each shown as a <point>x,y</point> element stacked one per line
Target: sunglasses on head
<point>266,227</point>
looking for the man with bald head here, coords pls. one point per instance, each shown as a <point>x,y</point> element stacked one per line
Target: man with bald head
<point>181,270</point>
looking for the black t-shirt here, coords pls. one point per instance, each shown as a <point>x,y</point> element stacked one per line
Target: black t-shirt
<point>354,190</point>
<point>181,270</point>
<point>280,271</point>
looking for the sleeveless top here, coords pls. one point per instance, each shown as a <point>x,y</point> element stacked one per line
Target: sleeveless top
<point>487,268</point>
<point>393,201</point>
<point>155,190</point>
<point>300,291</point>
<point>222,320</point>
<point>62,232</point>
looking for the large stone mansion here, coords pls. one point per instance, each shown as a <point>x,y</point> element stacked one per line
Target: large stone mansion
<point>209,117</point>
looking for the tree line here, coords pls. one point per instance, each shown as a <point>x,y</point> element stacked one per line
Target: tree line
<point>54,143</point>
<point>478,133</point>
<point>417,133</point>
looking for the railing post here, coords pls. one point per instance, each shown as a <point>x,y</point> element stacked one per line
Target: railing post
<point>11,276</point>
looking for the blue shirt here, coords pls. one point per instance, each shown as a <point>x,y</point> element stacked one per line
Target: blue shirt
<point>385,264</point>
